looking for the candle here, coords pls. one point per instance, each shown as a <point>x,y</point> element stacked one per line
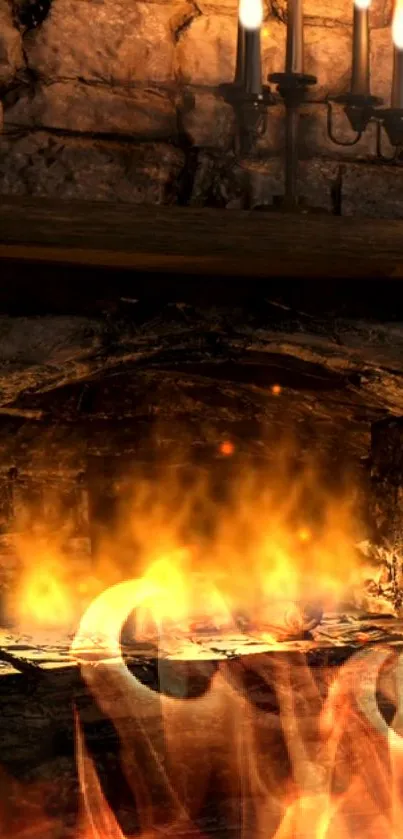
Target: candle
<point>250,19</point>
<point>294,61</point>
<point>397,34</point>
<point>360,73</point>
<point>240,55</point>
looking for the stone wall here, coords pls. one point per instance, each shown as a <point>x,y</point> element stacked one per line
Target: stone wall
<point>118,100</point>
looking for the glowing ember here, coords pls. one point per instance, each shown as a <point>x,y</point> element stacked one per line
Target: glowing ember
<point>276,390</point>
<point>227,448</point>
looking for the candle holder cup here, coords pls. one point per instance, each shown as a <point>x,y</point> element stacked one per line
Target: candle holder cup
<point>359,110</point>
<point>392,121</point>
<point>250,112</point>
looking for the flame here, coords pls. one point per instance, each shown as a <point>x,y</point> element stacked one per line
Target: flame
<point>362,4</point>
<point>251,13</point>
<point>397,25</point>
<point>255,552</point>
<point>345,764</point>
<point>277,748</point>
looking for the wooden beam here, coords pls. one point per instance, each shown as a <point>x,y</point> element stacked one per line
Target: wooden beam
<point>199,241</point>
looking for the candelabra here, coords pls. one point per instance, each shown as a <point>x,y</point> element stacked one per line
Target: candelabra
<point>251,99</point>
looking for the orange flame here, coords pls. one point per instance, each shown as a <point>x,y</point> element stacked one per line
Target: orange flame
<point>345,763</point>
<point>279,749</point>
<point>256,552</point>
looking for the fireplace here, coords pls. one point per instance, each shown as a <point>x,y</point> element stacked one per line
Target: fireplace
<point>201,419</point>
<point>201,617</point>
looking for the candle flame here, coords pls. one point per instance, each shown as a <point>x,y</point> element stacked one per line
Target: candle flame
<point>251,13</point>
<point>397,25</point>
<point>362,4</point>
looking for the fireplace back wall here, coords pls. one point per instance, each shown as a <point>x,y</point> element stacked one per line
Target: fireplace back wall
<point>118,100</point>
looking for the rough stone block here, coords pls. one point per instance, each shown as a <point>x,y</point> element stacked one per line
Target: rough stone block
<point>273,47</point>
<point>228,7</point>
<point>313,136</point>
<point>372,191</point>
<point>272,140</point>
<point>328,57</point>
<point>205,53</point>
<point>77,169</point>
<point>113,42</point>
<point>314,139</point>
<point>210,122</point>
<point>339,11</point>
<point>72,106</point>
<point>225,183</point>
<point>381,63</point>
<point>11,55</point>
<point>316,179</point>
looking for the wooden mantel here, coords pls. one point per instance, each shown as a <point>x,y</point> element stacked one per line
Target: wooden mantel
<point>198,241</point>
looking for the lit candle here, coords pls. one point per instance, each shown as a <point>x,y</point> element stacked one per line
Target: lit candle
<point>250,18</point>
<point>397,34</point>
<point>294,60</point>
<point>360,73</point>
<point>240,55</point>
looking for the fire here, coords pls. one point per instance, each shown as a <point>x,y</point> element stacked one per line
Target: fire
<point>268,544</point>
<point>345,764</point>
<point>397,25</point>
<point>278,749</point>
